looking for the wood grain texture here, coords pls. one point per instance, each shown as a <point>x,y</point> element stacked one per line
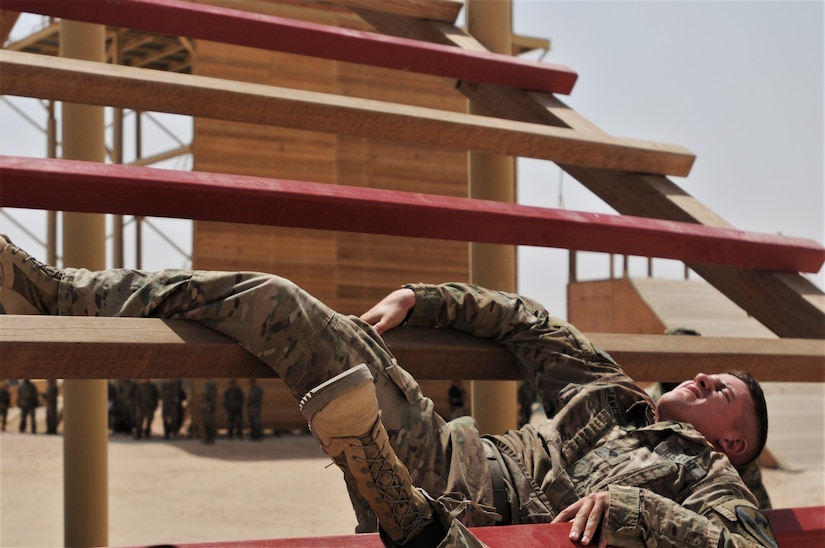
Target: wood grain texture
<point>220,24</point>
<point>110,85</point>
<point>97,188</point>
<point>90,347</point>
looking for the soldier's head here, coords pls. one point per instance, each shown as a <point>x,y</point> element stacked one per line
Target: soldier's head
<point>729,409</point>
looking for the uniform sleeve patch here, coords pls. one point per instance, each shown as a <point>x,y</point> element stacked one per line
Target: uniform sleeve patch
<point>757,525</point>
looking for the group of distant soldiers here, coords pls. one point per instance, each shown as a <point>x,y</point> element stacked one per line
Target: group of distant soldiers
<point>233,404</point>
<point>29,399</point>
<point>132,407</point>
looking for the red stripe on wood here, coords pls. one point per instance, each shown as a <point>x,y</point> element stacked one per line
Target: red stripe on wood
<point>801,527</point>
<point>545,535</point>
<point>269,32</point>
<point>106,188</point>
<point>794,528</point>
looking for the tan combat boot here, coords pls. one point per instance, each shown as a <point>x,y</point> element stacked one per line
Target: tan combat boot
<point>27,286</point>
<point>343,414</point>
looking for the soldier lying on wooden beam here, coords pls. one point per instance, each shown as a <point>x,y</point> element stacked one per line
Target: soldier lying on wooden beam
<point>622,469</point>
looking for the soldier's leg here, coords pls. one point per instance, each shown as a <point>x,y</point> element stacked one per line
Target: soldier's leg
<point>301,339</point>
<point>304,342</point>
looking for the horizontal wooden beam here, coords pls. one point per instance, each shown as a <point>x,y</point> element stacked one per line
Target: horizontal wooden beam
<point>91,187</point>
<point>40,76</point>
<point>243,28</point>
<point>435,10</point>
<point>801,527</point>
<point>92,347</point>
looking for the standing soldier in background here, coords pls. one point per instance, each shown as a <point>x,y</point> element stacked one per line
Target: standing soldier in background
<point>209,404</point>
<point>147,403</point>
<point>5,403</point>
<point>125,407</point>
<point>28,400</point>
<point>172,397</point>
<point>180,398</point>
<point>253,409</point>
<point>456,395</point>
<point>51,406</point>
<point>233,406</point>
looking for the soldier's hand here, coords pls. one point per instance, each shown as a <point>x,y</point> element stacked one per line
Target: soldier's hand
<point>391,310</point>
<point>588,515</point>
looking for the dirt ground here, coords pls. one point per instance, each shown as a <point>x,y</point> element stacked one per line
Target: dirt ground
<point>182,491</point>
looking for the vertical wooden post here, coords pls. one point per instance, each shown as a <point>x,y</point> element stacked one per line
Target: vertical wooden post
<point>492,177</point>
<point>85,424</point>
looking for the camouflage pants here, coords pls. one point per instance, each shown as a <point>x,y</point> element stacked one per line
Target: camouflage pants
<point>305,343</point>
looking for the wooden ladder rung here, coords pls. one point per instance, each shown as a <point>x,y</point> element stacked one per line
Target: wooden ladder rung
<point>129,190</point>
<point>231,26</point>
<point>76,81</point>
<point>92,348</point>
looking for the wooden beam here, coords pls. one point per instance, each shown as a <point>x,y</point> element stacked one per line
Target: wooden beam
<point>801,527</point>
<point>92,187</point>
<point>225,25</point>
<point>436,10</point>
<point>7,21</point>
<point>790,305</point>
<point>76,81</point>
<point>92,347</point>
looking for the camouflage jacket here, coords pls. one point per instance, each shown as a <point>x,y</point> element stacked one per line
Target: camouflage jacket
<point>667,485</point>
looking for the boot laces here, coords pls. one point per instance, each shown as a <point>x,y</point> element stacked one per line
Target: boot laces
<point>48,271</point>
<point>392,493</point>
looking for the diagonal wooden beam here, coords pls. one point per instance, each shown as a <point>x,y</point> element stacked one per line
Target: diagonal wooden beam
<point>92,347</point>
<point>128,190</point>
<point>225,25</point>
<point>77,81</point>
<point>788,304</point>
<point>7,21</point>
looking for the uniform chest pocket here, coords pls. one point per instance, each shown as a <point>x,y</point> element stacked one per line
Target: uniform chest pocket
<point>584,440</point>
<point>617,463</point>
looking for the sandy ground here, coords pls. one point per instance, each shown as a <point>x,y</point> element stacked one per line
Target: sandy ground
<point>181,491</point>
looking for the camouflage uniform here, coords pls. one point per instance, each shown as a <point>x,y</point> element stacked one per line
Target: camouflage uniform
<point>28,400</point>
<point>146,404</point>
<point>667,485</point>
<point>233,406</point>
<point>209,404</point>
<point>254,405</point>
<point>172,397</point>
<point>126,422</point>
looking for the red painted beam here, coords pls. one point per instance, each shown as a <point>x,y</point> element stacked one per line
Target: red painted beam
<point>793,527</point>
<point>106,188</point>
<point>545,535</point>
<point>269,32</point>
<point>801,527</point>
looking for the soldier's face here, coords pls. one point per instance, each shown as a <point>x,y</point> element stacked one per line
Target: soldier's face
<point>716,405</point>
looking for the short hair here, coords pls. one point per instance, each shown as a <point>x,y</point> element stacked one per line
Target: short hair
<point>760,407</point>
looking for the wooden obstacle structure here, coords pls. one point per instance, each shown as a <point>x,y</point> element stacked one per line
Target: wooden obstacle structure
<point>758,272</point>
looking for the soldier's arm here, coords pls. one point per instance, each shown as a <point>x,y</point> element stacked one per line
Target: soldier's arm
<point>717,515</point>
<point>542,344</point>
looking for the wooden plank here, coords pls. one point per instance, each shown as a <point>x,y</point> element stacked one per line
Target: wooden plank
<point>91,187</point>
<point>91,347</point>
<point>794,528</point>
<point>86,82</point>
<point>7,21</point>
<point>226,25</point>
<point>436,10</point>
<point>790,305</point>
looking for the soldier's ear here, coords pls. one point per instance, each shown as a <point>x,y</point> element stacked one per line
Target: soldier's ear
<point>734,447</point>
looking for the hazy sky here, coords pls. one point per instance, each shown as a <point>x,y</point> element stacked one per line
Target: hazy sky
<point>740,84</point>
